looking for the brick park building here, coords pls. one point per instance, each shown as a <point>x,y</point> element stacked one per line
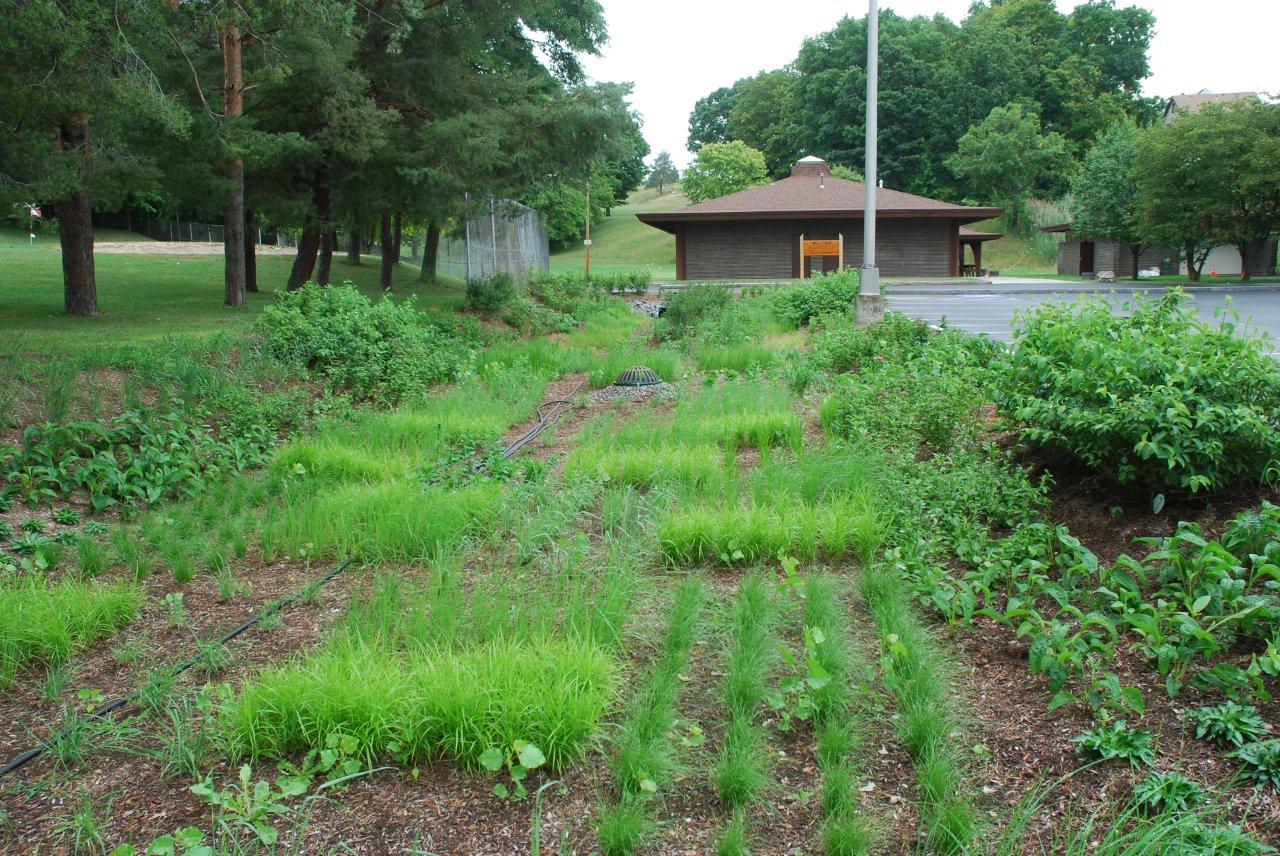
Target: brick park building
<point>757,233</point>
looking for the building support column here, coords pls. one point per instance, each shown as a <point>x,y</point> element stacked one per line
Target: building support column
<point>682,272</point>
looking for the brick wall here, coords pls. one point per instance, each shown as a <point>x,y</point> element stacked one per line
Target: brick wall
<point>1069,258</point>
<point>1108,255</point>
<point>764,249</point>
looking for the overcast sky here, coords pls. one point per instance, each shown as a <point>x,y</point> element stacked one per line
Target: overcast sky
<point>676,51</point>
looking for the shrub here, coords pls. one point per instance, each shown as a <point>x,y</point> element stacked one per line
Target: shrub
<point>490,293</point>
<point>688,308</point>
<point>1157,399</point>
<point>822,294</point>
<point>903,406</point>
<point>534,319</point>
<point>377,350</point>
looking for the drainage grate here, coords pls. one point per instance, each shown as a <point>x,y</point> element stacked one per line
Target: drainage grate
<point>638,376</point>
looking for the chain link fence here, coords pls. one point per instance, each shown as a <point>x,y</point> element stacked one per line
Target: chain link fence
<point>506,236</point>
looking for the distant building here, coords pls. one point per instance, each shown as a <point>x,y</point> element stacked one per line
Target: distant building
<point>1081,255</point>
<point>757,233</point>
<point>1179,104</point>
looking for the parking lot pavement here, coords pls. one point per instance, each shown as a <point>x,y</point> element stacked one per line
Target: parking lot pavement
<point>992,311</point>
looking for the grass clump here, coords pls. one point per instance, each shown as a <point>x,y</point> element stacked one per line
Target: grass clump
<point>752,647</point>
<point>623,826</point>
<point>391,521</point>
<point>693,466</point>
<point>831,529</point>
<point>47,621</point>
<point>428,702</point>
<point>740,358</point>
<point>644,757</point>
<point>604,370</point>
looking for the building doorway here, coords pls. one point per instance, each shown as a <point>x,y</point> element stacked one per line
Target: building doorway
<point>1086,257</point>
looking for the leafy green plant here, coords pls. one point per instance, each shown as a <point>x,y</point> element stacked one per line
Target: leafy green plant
<point>1152,397</point>
<point>1228,723</point>
<point>519,758</point>
<point>249,806</point>
<point>1167,792</point>
<point>66,516</point>
<point>1116,740</point>
<point>1260,761</point>
<point>177,614</point>
<point>188,841</point>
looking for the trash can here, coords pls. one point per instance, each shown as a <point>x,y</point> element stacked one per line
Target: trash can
<point>1168,268</point>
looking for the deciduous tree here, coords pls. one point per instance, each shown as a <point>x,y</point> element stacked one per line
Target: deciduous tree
<point>722,168</point>
<point>663,172</point>
<point>1104,196</point>
<point>1007,155</point>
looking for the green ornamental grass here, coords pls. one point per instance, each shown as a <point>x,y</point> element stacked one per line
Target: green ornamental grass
<point>429,702</point>
<point>48,621</point>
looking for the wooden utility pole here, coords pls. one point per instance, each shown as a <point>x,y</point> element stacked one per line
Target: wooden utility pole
<point>587,241</point>
<point>233,104</point>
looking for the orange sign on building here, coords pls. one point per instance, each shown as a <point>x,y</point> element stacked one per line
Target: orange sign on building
<point>821,248</point>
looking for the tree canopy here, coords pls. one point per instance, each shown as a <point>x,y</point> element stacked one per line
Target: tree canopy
<point>722,168</point>
<point>1007,155</point>
<point>1079,72</point>
<point>307,116</point>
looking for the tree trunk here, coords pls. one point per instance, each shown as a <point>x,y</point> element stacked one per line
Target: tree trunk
<point>354,244</point>
<point>398,229</point>
<point>250,252</point>
<point>387,237</point>
<point>318,223</point>
<point>327,243</point>
<point>1136,251</point>
<point>431,253</point>
<point>1193,271</point>
<point>75,228</point>
<point>1246,260</point>
<point>233,232</point>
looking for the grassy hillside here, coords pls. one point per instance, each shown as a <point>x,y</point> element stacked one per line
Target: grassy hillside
<point>622,242</point>
<point>1017,255</point>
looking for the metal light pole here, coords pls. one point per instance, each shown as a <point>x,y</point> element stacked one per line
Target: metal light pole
<point>870,305</point>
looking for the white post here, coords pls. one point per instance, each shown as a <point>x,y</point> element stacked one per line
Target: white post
<point>870,306</point>
<point>467,241</point>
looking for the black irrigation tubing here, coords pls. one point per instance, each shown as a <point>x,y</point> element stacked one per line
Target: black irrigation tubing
<point>544,419</point>
<point>110,707</point>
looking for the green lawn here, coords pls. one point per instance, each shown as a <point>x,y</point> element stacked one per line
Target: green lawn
<point>148,297</point>
<point>623,243</point>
